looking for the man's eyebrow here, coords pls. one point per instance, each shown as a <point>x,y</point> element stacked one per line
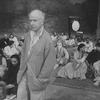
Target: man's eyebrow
<point>32,19</point>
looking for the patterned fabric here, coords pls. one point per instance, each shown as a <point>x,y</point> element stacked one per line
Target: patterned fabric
<point>75,69</point>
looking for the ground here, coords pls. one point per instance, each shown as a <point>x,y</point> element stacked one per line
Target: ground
<point>54,92</point>
<point>82,90</point>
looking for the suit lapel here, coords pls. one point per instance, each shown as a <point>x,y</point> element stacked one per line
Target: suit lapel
<point>28,40</point>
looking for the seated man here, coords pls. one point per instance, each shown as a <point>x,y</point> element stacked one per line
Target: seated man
<point>4,41</point>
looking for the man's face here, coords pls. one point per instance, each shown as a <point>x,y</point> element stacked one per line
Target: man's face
<point>35,22</point>
<point>59,45</point>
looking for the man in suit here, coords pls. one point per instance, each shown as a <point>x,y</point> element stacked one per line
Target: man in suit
<point>37,60</point>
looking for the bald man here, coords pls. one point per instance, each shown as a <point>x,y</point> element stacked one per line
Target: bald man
<point>37,60</point>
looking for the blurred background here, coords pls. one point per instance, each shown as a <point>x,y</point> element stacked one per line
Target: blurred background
<point>13,15</point>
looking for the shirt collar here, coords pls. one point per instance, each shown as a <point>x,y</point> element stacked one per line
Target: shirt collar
<point>32,33</point>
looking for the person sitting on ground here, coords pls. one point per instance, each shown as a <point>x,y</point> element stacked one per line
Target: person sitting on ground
<point>4,41</point>
<point>62,55</point>
<point>12,72</point>
<point>70,42</point>
<point>80,40</point>
<point>14,39</point>
<point>77,68</point>
<point>92,57</point>
<point>21,41</point>
<point>89,45</point>
<point>94,60</point>
<point>54,36</point>
<point>63,36</point>
<point>13,69</point>
<point>10,49</point>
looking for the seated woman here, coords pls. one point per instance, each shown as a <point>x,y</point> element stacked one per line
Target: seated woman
<point>12,72</point>
<point>77,68</point>
<point>13,69</point>
<point>62,55</point>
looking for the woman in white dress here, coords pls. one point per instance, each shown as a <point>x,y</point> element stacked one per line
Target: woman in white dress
<point>77,68</point>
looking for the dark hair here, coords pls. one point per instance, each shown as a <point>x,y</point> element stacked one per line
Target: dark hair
<point>11,34</point>
<point>15,56</point>
<point>54,33</point>
<point>98,45</point>
<point>80,46</point>
<point>87,38</point>
<point>1,52</point>
<point>10,43</point>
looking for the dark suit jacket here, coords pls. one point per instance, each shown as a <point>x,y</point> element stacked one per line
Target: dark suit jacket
<point>39,65</point>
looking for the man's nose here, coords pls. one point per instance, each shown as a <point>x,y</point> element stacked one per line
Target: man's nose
<point>32,23</point>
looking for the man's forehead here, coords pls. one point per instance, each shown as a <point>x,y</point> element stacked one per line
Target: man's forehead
<point>36,14</point>
<point>34,17</point>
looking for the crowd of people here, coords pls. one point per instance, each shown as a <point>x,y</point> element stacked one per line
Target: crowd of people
<point>78,57</point>
<point>22,66</point>
<point>10,51</point>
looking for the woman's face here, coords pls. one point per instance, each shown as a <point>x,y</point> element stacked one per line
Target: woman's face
<point>14,61</point>
<point>11,36</point>
<point>59,45</point>
<point>83,49</point>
